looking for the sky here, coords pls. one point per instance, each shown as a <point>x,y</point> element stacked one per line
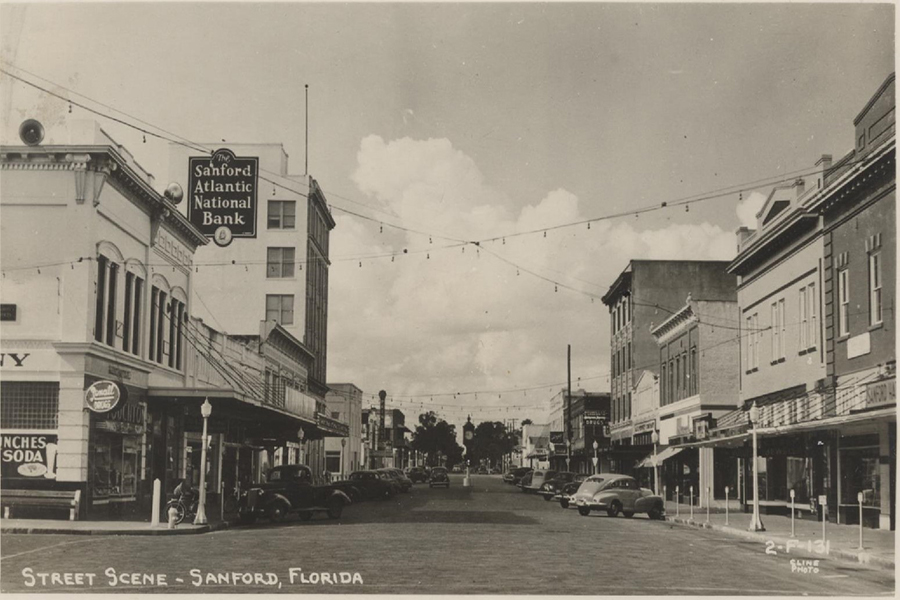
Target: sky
<point>473,121</point>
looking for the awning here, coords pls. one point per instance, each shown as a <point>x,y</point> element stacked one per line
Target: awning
<point>649,463</point>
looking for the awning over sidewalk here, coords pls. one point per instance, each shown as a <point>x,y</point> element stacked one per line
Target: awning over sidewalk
<point>649,462</point>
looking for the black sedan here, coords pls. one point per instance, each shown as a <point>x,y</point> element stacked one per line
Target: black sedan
<point>439,476</point>
<point>515,475</point>
<point>372,485</point>
<point>552,487</point>
<point>417,475</point>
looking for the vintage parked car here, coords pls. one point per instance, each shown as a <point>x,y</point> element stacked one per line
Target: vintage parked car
<point>390,479</point>
<point>538,478</point>
<point>417,475</point>
<point>404,481</point>
<point>525,481</point>
<point>372,485</point>
<point>615,493</point>
<point>439,476</point>
<point>515,475</point>
<point>288,489</point>
<point>496,471</point>
<point>552,486</point>
<point>564,495</point>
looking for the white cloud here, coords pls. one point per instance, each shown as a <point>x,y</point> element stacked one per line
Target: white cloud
<point>748,209</point>
<point>444,319</point>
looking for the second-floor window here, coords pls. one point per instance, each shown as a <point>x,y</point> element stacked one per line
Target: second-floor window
<point>282,214</point>
<point>778,330</point>
<point>279,262</point>
<point>753,336</point>
<point>844,302</point>
<point>875,314</point>
<point>280,308</point>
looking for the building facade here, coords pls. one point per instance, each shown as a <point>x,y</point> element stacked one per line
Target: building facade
<point>699,358</point>
<point>105,303</point>
<point>344,404</point>
<point>815,285</point>
<point>269,256</point>
<point>646,293</point>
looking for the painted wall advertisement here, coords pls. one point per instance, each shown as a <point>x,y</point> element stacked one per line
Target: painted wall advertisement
<point>223,192</point>
<point>28,455</point>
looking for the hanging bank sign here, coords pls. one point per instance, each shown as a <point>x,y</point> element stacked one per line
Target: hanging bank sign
<point>223,195</point>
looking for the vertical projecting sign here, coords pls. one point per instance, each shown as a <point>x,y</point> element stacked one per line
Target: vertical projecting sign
<point>223,195</point>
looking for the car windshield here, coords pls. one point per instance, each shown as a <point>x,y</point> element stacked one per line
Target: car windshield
<point>438,470</point>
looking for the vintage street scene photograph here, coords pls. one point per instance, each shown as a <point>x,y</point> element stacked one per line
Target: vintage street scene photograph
<point>448,298</point>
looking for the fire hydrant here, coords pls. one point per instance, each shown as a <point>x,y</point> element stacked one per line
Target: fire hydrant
<point>173,515</point>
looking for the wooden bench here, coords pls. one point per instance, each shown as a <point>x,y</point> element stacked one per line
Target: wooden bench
<point>41,499</point>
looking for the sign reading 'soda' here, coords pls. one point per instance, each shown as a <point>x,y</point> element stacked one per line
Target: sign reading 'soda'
<point>223,195</point>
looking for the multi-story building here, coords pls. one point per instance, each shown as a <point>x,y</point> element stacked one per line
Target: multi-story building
<point>815,286</point>
<point>645,293</point>
<point>588,417</point>
<point>699,361</point>
<point>269,260</point>
<point>858,210</point>
<point>344,455</point>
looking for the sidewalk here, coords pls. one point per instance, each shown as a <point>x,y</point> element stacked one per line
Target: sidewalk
<point>842,540</point>
<point>59,526</point>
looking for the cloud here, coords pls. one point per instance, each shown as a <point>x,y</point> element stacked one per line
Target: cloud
<point>441,318</point>
<point>748,209</point>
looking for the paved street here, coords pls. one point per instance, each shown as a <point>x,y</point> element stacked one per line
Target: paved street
<point>487,539</point>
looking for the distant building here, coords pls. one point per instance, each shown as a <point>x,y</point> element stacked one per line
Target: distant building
<point>344,404</point>
<point>646,293</point>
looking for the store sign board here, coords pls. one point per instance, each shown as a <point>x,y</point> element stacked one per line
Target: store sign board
<point>593,417</point>
<point>223,192</point>
<point>28,455</point>
<point>645,426</point>
<point>881,393</point>
<point>103,396</point>
<point>557,438</point>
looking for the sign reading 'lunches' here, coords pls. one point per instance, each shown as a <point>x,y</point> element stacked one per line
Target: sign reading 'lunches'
<point>223,195</point>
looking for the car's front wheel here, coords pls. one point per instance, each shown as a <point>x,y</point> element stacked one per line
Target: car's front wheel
<point>614,508</point>
<point>335,508</point>
<point>584,511</point>
<point>564,503</point>
<point>655,513</point>
<point>277,511</point>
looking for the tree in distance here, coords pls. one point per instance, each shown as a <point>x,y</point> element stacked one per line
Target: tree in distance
<point>436,438</point>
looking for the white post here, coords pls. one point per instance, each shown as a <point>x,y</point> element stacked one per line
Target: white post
<point>792,514</point>
<point>824,515</point>
<point>200,519</point>
<point>707,503</point>
<point>859,498</point>
<point>677,497</point>
<point>692,503</point>
<point>726,504</point>
<point>755,523</point>
<point>221,500</point>
<point>154,516</point>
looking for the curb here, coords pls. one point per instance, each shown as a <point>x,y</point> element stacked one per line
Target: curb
<point>142,532</point>
<point>863,557</point>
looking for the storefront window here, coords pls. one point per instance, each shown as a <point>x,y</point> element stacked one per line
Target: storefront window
<point>115,466</point>
<point>859,473</point>
<point>799,477</point>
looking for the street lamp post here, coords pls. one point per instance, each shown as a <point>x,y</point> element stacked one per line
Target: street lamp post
<point>755,522</point>
<point>205,412</point>
<point>654,437</point>
<point>343,445</point>
<point>596,458</point>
